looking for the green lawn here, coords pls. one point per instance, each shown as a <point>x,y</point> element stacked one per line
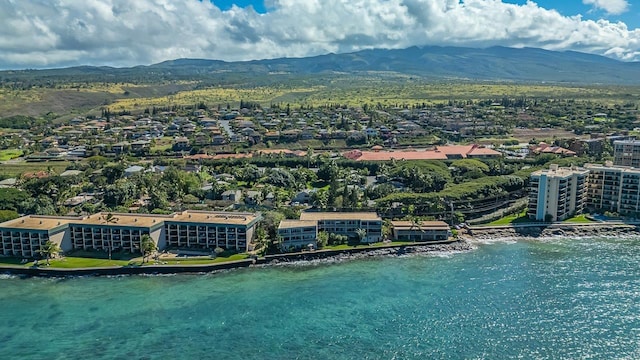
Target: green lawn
<point>75,262</point>
<point>19,168</point>
<point>203,261</point>
<point>68,262</point>
<point>10,154</point>
<point>520,217</point>
<point>374,245</point>
<point>578,219</point>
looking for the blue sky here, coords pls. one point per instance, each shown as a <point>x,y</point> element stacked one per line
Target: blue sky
<point>41,33</point>
<point>565,7</point>
<point>258,5</point>
<point>574,7</point>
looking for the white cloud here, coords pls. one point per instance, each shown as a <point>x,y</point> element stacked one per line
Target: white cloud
<point>614,7</point>
<point>43,33</point>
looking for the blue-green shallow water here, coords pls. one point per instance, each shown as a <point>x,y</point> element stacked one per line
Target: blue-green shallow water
<point>561,299</point>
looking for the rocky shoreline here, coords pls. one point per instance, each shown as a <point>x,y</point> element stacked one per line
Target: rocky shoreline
<point>469,240</point>
<point>313,258</point>
<point>551,231</point>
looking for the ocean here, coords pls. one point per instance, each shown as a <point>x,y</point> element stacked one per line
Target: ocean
<point>561,299</point>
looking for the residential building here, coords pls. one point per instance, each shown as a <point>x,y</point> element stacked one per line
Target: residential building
<point>123,231</point>
<point>208,230</point>
<point>343,223</point>
<point>422,231</point>
<point>557,193</point>
<point>24,236</point>
<point>626,153</point>
<point>613,188</point>
<point>297,234</point>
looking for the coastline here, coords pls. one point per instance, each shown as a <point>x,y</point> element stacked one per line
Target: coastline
<point>544,231</point>
<point>468,240</point>
<point>291,259</point>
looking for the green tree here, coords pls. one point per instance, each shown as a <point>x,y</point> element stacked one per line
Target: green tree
<point>49,249</point>
<point>147,246</point>
<point>362,234</point>
<point>322,239</point>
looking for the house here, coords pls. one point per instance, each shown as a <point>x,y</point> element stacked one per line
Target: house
<point>303,197</point>
<point>232,195</point>
<point>120,148</point>
<point>132,170</point>
<point>181,144</point>
<point>71,173</point>
<point>253,197</point>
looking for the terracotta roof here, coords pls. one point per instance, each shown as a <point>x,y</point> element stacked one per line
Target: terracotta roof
<point>398,155</point>
<point>199,157</point>
<point>461,150</point>
<point>231,156</point>
<point>482,151</point>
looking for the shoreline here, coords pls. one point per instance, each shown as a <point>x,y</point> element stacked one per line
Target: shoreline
<point>291,259</point>
<point>544,231</point>
<point>469,240</point>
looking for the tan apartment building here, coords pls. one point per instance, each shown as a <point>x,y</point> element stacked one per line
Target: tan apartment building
<point>24,236</point>
<point>344,223</point>
<point>557,193</point>
<point>123,231</point>
<point>297,234</point>
<point>420,232</point>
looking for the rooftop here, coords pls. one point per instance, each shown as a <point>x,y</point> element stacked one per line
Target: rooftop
<point>35,222</point>
<point>124,219</point>
<point>555,171</point>
<point>315,216</point>
<point>424,225</point>
<point>284,224</point>
<point>233,218</point>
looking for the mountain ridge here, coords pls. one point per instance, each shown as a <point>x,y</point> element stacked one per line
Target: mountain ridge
<point>495,63</point>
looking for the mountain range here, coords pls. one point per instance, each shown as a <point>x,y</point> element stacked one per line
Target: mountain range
<point>430,63</point>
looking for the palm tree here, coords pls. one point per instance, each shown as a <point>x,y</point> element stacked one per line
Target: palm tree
<point>147,246</point>
<point>110,219</point>
<point>49,249</point>
<point>362,234</point>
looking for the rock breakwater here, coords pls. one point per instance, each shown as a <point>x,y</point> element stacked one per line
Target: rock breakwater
<point>550,231</point>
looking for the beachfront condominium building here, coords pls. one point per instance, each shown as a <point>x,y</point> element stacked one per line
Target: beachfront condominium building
<point>208,230</point>
<point>613,188</point>
<point>421,231</point>
<point>626,153</point>
<point>557,193</point>
<point>297,234</point>
<point>24,236</point>
<point>123,232</point>
<point>344,223</point>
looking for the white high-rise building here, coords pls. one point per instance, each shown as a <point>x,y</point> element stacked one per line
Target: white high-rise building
<point>557,193</point>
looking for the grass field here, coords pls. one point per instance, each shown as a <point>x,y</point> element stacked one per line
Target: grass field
<point>578,219</point>
<point>361,90</point>
<point>520,217</point>
<point>10,154</point>
<point>20,168</point>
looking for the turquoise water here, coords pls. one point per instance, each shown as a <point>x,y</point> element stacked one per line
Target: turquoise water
<point>562,299</point>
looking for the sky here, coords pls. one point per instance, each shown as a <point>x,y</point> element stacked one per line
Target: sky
<point>59,33</point>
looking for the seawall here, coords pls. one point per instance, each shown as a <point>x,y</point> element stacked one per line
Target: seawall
<point>334,255</point>
<point>553,230</point>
